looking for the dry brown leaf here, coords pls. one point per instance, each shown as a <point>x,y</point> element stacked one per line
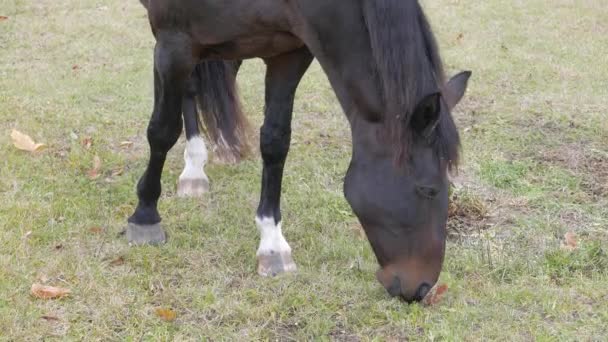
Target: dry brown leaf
<point>94,172</point>
<point>435,295</point>
<point>50,318</point>
<point>118,261</point>
<point>2,17</point>
<point>571,238</point>
<point>570,241</point>
<point>24,142</point>
<point>96,230</point>
<point>48,292</point>
<point>75,67</point>
<point>87,142</point>
<point>126,144</point>
<point>167,315</point>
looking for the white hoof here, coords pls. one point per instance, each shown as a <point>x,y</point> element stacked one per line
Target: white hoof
<point>193,182</point>
<point>188,187</point>
<point>274,253</point>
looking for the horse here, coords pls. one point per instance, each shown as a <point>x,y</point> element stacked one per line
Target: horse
<point>383,63</point>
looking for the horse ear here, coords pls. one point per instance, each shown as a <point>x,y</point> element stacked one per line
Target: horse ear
<point>455,88</point>
<point>426,115</point>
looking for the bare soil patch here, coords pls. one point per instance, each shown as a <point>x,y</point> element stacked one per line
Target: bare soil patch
<point>585,161</point>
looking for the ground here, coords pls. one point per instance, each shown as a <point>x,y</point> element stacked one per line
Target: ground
<point>535,166</point>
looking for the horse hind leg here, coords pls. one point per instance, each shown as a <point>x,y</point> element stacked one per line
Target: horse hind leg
<point>193,182</point>
<point>212,98</point>
<point>172,67</point>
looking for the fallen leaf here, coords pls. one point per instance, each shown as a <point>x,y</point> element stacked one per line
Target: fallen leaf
<point>96,230</point>
<point>87,142</point>
<point>167,315</point>
<point>48,292</point>
<point>94,172</point>
<point>75,67</point>
<point>50,318</point>
<point>570,241</point>
<point>2,17</point>
<point>459,37</point>
<point>435,295</point>
<point>126,144</point>
<point>118,261</point>
<point>24,142</point>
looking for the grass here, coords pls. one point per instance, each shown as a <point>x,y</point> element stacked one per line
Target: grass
<point>535,133</point>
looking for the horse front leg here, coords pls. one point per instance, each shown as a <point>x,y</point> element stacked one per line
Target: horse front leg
<point>283,75</point>
<point>172,67</point>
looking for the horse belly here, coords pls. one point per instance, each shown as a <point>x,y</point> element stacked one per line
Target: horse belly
<point>239,29</point>
<point>256,45</point>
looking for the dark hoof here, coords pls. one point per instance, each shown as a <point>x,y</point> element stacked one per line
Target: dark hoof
<point>192,187</point>
<point>275,264</point>
<point>139,235</point>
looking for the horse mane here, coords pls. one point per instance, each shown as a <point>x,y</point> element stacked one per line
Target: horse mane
<point>408,67</point>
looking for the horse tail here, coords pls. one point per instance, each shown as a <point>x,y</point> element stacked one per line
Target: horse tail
<point>145,3</point>
<point>219,108</point>
<point>408,65</point>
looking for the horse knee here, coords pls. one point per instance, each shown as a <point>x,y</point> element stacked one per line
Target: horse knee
<point>274,143</point>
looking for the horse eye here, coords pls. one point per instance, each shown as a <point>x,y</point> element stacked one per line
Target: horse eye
<point>427,191</point>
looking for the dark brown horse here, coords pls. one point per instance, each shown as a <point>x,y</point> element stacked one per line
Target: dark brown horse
<point>384,66</point>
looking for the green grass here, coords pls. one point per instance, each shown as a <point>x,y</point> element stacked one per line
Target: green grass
<point>535,136</point>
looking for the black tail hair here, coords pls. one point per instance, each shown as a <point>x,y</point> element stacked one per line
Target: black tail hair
<point>223,121</point>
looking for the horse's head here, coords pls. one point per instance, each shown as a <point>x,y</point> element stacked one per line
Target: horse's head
<point>404,208</point>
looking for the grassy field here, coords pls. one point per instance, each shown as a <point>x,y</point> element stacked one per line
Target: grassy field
<point>535,133</point>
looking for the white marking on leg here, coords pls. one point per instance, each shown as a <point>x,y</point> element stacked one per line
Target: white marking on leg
<point>193,177</point>
<point>272,240</point>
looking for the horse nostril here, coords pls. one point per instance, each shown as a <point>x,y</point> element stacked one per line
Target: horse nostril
<point>423,290</point>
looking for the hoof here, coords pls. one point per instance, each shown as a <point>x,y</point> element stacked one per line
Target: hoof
<point>192,187</point>
<point>275,263</point>
<point>145,234</point>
